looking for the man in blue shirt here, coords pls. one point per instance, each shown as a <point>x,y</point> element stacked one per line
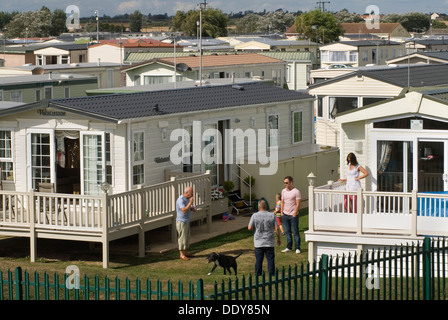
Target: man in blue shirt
<point>264,224</point>
<point>184,205</point>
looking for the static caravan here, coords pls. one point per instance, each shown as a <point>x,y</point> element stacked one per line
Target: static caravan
<point>131,140</point>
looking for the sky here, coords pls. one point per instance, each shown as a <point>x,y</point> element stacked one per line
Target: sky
<point>115,7</point>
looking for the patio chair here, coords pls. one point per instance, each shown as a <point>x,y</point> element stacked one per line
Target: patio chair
<point>9,200</point>
<point>54,206</point>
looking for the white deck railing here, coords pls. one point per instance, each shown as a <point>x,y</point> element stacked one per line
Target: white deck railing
<point>70,212</point>
<point>155,201</point>
<point>51,210</point>
<point>331,208</point>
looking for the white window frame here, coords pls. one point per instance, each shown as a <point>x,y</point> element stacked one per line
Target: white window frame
<point>40,61</point>
<point>322,99</point>
<point>139,162</point>
<point>110,162</point>
<point>11,158</point>
<point>20,96</point>
<point>45,92</point>
<point>52,154</point>
<point>38,92</point>
<point>65,59</point>
<point>187,148</point>
<point>268,129</point>
<point>293,126</point>
<point>82,157</point>
<point>330,117</point>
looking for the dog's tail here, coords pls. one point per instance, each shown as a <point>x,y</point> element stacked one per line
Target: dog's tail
<point>241,252</point>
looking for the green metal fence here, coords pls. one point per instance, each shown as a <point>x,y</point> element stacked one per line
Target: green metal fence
<point>413,272</point>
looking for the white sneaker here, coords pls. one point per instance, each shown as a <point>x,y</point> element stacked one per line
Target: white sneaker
<point>297,250</point>
<point>286,250</point>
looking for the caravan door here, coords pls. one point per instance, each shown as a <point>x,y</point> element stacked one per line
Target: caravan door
<point>93,162</point>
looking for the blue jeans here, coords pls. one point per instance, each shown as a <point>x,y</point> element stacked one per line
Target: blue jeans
<point>291,224</point>
<point>270,257</point>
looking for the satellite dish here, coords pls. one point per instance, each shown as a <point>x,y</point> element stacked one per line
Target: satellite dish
<point>182,67</point>
<point>38,70</point>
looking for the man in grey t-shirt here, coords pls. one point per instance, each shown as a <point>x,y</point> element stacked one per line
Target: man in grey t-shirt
<point>264,223</point>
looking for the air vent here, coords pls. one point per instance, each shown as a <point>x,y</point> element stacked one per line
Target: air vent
<point>238,87</point>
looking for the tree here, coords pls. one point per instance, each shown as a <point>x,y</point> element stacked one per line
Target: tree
<point>6,17</point>
<point>436,24</point>
<point>58,22</point>
<point>30,24</point>
<point>277,21</point>
<point>320,25</point>
<point>411,21</point>
<point>214,22</point>
<point>344,16</point>
<point>136,21</point>
<point>248,24</point>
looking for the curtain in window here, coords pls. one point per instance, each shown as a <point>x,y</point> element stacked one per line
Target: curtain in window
<point>332,107</point>
<point>273,131</point>
<point>93,167</point>
<point>385,149</point>
<point>338,56</point>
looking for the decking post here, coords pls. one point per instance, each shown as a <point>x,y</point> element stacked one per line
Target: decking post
<point>173,202</point>
<point>208,196</point>
<point>105,240</point>
<point>141,232</point>
<point>311,208</point>
<point>414,211</point>
<point>32,221</point>
<point>359,210</point>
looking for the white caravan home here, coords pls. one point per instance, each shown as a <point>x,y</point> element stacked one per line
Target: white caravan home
<point>403,144</point>
<point>103,159</point>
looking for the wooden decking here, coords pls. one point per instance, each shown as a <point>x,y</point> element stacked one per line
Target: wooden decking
<point>99,218</point>
<point>348,219</point>
<point>370,212</point>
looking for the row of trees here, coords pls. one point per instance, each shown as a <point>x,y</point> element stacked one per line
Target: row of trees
<point>313,24</point>
<point>39,23</point>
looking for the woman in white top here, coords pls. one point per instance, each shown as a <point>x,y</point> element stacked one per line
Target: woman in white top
<point>352,180</point>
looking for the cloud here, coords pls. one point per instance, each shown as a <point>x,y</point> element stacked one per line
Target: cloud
<point>184,6</point>
<point>129,6</point>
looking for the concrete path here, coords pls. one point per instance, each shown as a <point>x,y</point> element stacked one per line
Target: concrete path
<point>159,241</point>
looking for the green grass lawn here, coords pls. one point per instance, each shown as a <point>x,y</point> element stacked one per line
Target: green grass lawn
<point>166,266</point>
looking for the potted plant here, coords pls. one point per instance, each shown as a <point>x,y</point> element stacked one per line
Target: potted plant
<point>249,181</point>
<point>219,200</point>
<point>228,187</point>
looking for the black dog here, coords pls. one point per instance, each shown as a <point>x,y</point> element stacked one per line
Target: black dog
<point>224,261</point>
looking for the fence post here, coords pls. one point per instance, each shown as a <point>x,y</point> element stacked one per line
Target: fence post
<point>18,283</point>
<point>200,294</point>
<point>323,277</point>
<point>427,276</point>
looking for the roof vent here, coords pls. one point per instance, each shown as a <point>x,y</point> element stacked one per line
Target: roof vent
<point>238,87</point>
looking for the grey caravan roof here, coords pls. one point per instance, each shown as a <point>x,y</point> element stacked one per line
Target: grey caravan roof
<point>418,75</point>
<point>126,106</point>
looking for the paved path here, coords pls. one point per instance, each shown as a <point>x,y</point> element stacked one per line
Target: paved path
<point>198,233</point>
